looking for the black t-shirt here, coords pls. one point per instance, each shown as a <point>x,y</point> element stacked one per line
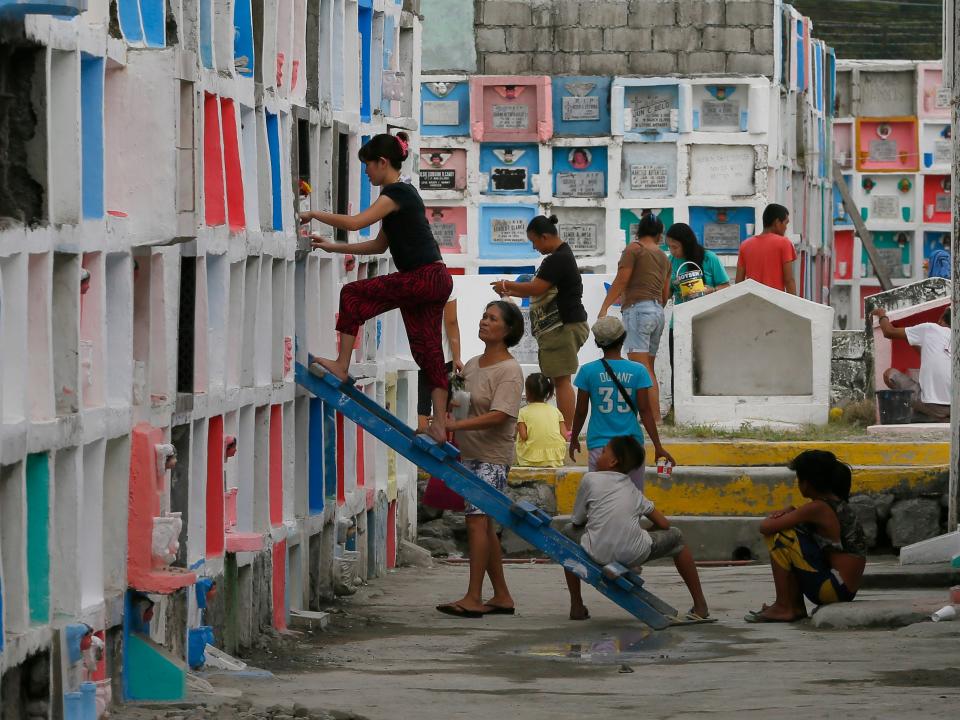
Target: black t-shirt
<point>408,233</point>
<point>560,269</point>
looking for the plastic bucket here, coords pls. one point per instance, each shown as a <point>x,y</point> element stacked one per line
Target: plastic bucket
<point>895,406</point>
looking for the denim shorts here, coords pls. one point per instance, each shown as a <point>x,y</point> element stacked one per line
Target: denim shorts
<point>644,323</point>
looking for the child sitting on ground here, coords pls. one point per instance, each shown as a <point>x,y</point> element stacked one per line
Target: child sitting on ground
<point>541,432</point>
<point>606,521</point>
<point>819,549</point>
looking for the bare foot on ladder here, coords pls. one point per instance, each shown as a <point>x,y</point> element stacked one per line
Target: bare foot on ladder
<point>333,367</point>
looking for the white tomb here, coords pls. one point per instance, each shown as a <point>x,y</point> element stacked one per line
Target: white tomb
<point>752,354</point>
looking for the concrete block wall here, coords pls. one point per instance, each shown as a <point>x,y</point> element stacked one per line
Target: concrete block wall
<point>900,108</point>
<point>625,37</point>
<point>154,295</point>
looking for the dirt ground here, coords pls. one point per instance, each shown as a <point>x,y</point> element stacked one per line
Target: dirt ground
<point>387,654</point>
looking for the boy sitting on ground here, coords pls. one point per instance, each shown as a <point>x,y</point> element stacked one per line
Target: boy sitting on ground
<point>606,522</point>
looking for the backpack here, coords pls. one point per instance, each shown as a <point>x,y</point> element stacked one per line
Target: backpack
<point>939,264</point>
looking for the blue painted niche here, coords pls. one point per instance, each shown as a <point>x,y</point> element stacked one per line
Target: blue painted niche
<point>91,131</point>
<point>16,8</point>
<point>365,22</point>
<point>445,108</point>
<point>276,184</point>
<point>581,106</point>
<point>580,171</point>
<point>244,56</point>
<point>722,229</point>
<point>840,216</point>
<point>651,111</point>
<point>509,168</point>
<point>143,21</point>
<point>503,231</point>
<point>935,240</point>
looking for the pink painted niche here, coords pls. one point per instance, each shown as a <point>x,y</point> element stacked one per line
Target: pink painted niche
<point>843,143</point>
<point>147,483</point>
<point>449,226</point>
<point>843,254</point>
<point>888,145</point>
<point>443,169</point>
<point>279,585</point>
<point>511,108</point>
<point>236,215</point>
<point>933,99</point>
<point>215,499</point>
<point>214,200</point>
<point>936,199</point>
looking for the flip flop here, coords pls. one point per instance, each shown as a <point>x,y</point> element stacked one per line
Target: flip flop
<point>499,610</point>
<point>691,618</point>
<point>459,611</point>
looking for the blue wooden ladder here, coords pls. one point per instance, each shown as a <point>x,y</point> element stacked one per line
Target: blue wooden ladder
<point>523,518</point>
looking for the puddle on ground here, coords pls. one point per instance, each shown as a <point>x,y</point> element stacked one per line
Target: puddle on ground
<point>605,648</point>
<point>633,646</point>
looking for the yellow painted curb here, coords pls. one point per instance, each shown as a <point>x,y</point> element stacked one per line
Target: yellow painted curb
<point>737,493</point>
<point>740,453</point>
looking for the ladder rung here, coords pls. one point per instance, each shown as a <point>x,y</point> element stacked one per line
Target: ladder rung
<point>614,571</point>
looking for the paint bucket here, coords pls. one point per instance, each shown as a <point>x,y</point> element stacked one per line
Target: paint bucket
<point>73,706</point>
<point>690,281</point>
<point>197,640</point>
<point>895,406</point>
<point>948,612</point>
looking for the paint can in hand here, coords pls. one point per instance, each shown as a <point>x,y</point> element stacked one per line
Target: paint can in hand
<point>690,281</point>
<point>664,468</point>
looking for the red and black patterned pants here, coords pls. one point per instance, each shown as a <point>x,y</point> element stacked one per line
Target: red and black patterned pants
<point>420,295</point>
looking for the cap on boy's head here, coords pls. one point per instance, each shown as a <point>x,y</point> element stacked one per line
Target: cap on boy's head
<point>608,331</point>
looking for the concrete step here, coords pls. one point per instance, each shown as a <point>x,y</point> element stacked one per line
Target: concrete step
<point>735,491</point>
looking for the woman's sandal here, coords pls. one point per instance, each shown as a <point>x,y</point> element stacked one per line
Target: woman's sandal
<point>457,610</point>
<point>499,610</point>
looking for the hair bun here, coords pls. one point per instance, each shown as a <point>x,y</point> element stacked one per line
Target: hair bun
<point>553,219</point>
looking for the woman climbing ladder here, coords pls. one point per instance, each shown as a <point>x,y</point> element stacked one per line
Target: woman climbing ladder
<point>419,288</point>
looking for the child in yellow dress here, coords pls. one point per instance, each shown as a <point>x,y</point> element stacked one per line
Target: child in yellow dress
<point>541,432</point>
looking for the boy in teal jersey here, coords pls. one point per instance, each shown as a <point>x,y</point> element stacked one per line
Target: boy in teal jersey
<point>611,413</point>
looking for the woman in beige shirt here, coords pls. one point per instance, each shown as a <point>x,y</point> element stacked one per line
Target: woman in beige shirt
<point>486,441</point>
<point>643,279</point>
